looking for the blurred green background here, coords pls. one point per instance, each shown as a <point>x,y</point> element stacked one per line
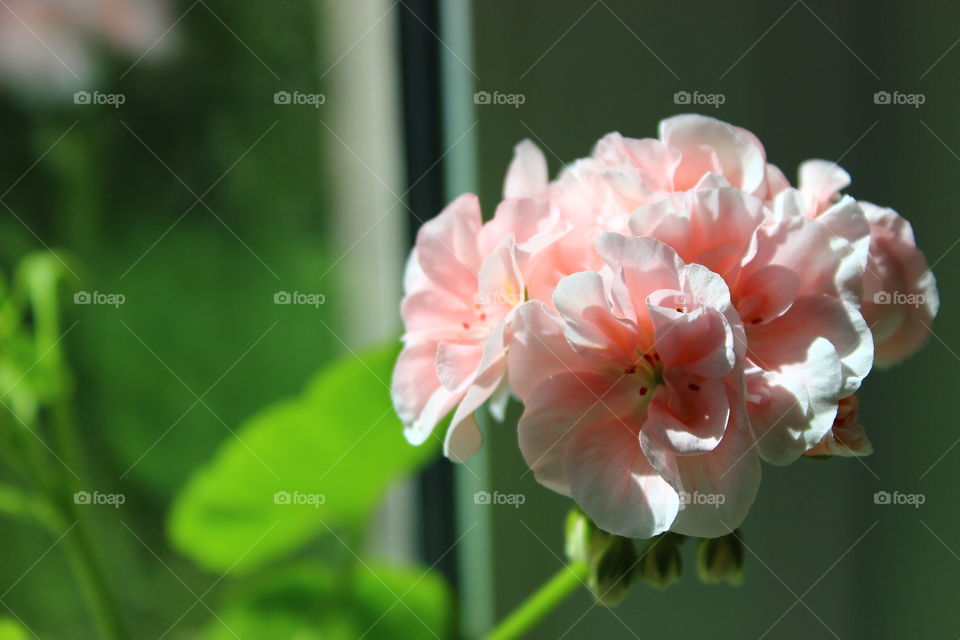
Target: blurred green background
<point>198,200</point>
<point>177,389</point>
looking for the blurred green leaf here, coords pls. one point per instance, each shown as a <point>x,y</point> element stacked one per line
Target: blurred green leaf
<point>30,367</point>
<point>313,603</point>
<point>12,630</point>
<point>129,398</point>
<point>400,603</point>
<point>298,469</point>
<point>22,385</point>
<point>20,504</point>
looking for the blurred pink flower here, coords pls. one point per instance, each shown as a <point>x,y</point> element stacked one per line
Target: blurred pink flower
<point>48,46</point>
<point>900,297</point>
<point>633,393</point>
<point>131,25</point>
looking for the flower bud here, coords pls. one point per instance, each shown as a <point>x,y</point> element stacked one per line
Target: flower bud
<point>612,559</point>
<point>660,562</point>
<point>579,532</point>
<point>613,572</point>
<point>721,559</point>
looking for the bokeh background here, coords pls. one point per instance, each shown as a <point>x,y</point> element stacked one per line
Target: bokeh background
<point>203,196</point>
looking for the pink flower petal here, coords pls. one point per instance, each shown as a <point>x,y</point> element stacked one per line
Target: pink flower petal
<point>447,246</point>
<point>740,155</point>
<point>900,297</point>
<point>527,175</point>
<point>560,406</point>
<point>718,487</point>
<point>591,327</point>
<point>614,483</point>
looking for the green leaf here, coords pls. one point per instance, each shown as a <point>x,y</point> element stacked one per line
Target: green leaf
<point>12,630</point>
<point>401,603</point>
<point>298,469</point>
<point>21,505</point>
<point>311,602</point>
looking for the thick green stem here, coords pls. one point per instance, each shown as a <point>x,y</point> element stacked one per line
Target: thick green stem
<point>541,602</point>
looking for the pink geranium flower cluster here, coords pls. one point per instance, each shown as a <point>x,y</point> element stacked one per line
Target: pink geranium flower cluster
<point>670,311</point>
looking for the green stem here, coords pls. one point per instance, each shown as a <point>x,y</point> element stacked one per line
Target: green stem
<point>41,281</point>
<point>541,602</point>
<point>93,583</point>
<point>58,514</point>
<point>78,543</point>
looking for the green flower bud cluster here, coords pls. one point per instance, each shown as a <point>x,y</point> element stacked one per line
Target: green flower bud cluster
<point>614,563</point>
